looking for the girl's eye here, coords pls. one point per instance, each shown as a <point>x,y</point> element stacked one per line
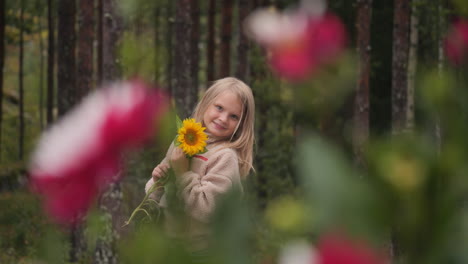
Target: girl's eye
<point>235,117</point>
<point>219,107</point>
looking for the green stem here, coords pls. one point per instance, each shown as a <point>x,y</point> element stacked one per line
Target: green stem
<point>152,189</point>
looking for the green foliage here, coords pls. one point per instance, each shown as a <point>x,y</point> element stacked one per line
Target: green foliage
<point>22,226</point>
<point>461,6</point>
<point>138,56</point>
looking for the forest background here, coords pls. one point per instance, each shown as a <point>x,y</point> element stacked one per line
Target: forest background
<point>53,53</point>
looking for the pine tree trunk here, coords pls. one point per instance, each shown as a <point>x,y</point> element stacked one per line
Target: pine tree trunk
<point>401,42</point>
<point>2,63</point>
<point>85,47</point>
<point>401,28</point>
<point>21,91</point>
<point>195,52</point>
<point>156,40</point>
<point>441,25</point>
<point>111,33</point>
<point>242,70</point>
<point>361,102</point>
<point>99,37</point>
<point>412,64</point>
<point>211,45</point>
<point>182,82</point>
<point>50,62</point>
<point>67,93</point>
<point>169,45</point>
<point>110,202</point>
<point>226,33</point>
<point>41,73</point>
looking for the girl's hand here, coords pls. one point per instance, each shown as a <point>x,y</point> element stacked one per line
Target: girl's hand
<point>160,171</point>
<point>179,162</point>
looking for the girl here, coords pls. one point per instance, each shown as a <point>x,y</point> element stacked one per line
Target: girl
<point>227,110</point>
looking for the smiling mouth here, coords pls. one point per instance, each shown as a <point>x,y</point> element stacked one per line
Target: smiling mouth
<point>218,126</point>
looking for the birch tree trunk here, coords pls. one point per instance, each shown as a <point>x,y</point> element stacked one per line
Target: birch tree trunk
<point>401,28</point>
<point>361,102</point>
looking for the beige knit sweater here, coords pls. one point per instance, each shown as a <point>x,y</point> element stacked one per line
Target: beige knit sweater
<point>211,174</point>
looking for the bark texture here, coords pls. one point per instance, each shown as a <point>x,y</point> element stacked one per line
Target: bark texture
<point>226,33</point>
<point>2,63</point>
<point>85,47</point>
<point>361,102</point>
<point>211,44</point>
<point>50,62</point>
<point>182,90</point>
<point>242,69</point>
<point>401,28</point>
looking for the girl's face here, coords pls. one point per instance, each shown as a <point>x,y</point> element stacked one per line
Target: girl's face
<point>223,115</point>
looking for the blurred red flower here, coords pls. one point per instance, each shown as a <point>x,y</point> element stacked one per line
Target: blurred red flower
<point>337,249</point>
<point>297,43</point>
<point>456,42</point>
<point>79,156</point>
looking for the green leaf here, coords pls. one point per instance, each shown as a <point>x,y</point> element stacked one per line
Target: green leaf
<point>337,196</point>
<point>178,122</point>
<point>203,151</point>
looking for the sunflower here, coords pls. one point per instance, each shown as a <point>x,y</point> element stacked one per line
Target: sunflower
<point>191,138</point>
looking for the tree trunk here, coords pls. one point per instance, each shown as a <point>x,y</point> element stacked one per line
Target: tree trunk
<point>226,33</point>
<point>66,94</point>
<point>2,63</point>
<point>195,52</point>
<point>361,102</point>
<point>20,77</point>
<point>111,31</point>
<point>50,62</point>
<point>41,72</point>
<point>401,27</point>
<point>85,47</point>
<point>412,64</point>
<point>157,32</point>
<point>441,26</point>
<point>182,85</point>
<point>99,37</point>
<point>110,202</point>
<point>169,45</point>
<point>242,70</point>
<point>401,42</point>
<point>211,45</point>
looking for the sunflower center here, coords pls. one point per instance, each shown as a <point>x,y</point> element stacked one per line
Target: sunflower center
<point>190,138</point>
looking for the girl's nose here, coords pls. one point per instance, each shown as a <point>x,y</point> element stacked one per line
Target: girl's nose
<point>223,117</point>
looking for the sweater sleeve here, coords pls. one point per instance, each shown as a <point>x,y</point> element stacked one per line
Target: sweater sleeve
<point>201,191</point>
<point>159,193</point>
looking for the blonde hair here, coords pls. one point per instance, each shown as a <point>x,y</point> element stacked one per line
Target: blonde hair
<point>242,139</point>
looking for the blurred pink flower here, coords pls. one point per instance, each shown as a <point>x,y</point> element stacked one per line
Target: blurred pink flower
<point>456,42</point>
<point>79,156</point>
<point>297,42</point>
<point>338,249</point>
<point>331,249</point>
